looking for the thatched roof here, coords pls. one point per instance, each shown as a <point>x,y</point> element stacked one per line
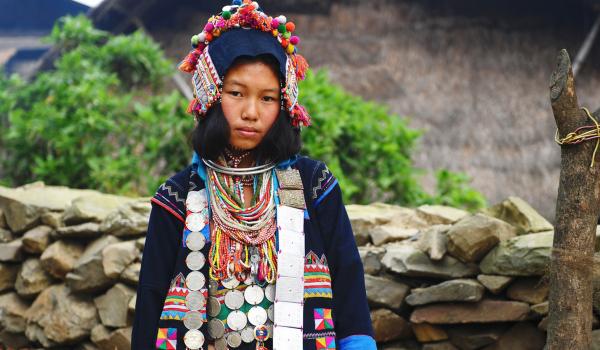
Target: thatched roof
<point>474,75</point>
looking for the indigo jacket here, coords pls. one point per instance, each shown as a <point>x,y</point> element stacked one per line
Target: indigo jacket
<point>336,313</point>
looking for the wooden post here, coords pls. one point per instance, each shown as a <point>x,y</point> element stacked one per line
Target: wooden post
<point>577,210</point>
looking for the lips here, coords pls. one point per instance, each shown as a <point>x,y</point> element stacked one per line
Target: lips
<point>247,131</point>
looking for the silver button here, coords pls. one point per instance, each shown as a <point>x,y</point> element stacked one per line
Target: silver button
<point>257,315</point>
<point>270,292</point>
<point>247,334</point>
<point>193,320</point>
<point>230,283</point>
<point>254,295</point>
<point>234,339</point>
<point>195,241</point>
<point>234,299</point>
<point>216,328</point>
<point>195,260</point>
<point>193,339</point>
<point>195,300</point>
<point>237,320</point>
<point>196,201</point>
<point>214,307</point>
<point>195,280</point>
<point>195,222</point>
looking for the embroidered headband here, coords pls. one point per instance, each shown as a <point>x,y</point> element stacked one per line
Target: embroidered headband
<point>243,29</point>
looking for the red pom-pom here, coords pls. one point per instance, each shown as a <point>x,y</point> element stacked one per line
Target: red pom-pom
<point>301,66</point>
<point>209,36</point>
<point>284,42</point>
<point>290,26</point>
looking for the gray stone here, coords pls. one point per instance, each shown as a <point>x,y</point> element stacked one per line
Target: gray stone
<point>32,279</point>
<point>52,219</point>
<point>12,313</point>
<point>3,223</point>
<point>93,207</point>
<point>494,284</point>
<point>112,306</point>
<point>473,236</point>
<point>60,257</point>
<point>596,339</point>
<point>384,292</point>
<point>455,290</point>
<point>484,311</point>
<point>371,258</point>
<point>6,236</point>
<point>8,276</point>
<point>540,309</point>
<point>99,336</point>
<point>529,290</point>
<point>131,305</point>
<point>116,257</point>
<point>23,206</point>
<point>85,230</point>
<point>520,214</point>
<point>521,336</point>
<point>440,214</point>
<point>475,336</point>
<point>443,345</point>
<point>86,346</point>
<point>409,261</point>
<point>433,241</point>
<point>36,240</point>
<point>12,251</point>
<point>88,273</point>
<point>58,317</point>
<point>119,339</point>
<point>14,340</point>
<point>140,242</point>
<point>365,218</point>
<point>526,255</point>
<point>391,233</point>
<point>427,333</point>
<point>130,219</point>
<point>389,326</point>
<point>131,274</point>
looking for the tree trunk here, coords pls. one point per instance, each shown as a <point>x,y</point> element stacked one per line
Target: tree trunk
<point>577,210</point>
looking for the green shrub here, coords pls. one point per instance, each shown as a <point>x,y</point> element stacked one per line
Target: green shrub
<point>100,119</point>
<point>103,120</point>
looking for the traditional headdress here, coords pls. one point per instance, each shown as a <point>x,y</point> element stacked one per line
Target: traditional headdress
<point>243,29</point>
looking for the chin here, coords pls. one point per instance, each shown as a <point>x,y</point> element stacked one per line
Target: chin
<point>244,145</point>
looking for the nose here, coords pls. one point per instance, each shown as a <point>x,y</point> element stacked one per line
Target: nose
<point>250,111</point>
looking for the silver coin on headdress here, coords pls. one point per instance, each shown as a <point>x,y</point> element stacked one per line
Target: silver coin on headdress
<point>193,320</point>
<point>195,300</point>
<point>221,344</point>
<point>195,221</point>
<point>271,312</point>
<point>249,279</point>
<point>195,241</point>
<point>195,260</point>
<point>213,286</point>
<point>193,339</point>
<point>216,328</point>
<point>234,299</point>
<point>196,201</point>
<point>270,292</point>
<point>195,280</point>
<point>237,320</point>
<point>230,283</point>
<point>234,339</point>
<point>247,334</point>
<point>257,315</point>
<point>213,307</point>
<point>254,295</point>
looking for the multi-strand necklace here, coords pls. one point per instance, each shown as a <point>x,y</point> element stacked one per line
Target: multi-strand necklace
<point>243,237</point>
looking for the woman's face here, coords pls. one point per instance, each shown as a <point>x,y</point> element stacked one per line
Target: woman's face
<point>250,102</point>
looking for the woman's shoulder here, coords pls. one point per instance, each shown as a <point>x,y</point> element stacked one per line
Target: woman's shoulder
<point>316,176</point>
<point>171,194</point>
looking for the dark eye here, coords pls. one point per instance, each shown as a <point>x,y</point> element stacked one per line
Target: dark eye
<point>234,93</point>
<point>269,98</point>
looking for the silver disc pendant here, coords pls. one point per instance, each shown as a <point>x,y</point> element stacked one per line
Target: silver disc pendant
<point>195,300</point>
<point>195,261</point>
<point>193,339</point>
<point>271,312</point>
<point>214,307</point>
<point>254,295</point>
<point>237,320</point>
<point>234,299</point>
<point>234,339</point>
<point>195,280</point>
<point>195,222</point>
<point>213,286</point>
<point>257,315</point>
<point>230,283</point>
<point>216,328</point>
<point>196,201</point>
<point>192,320</point>
<point>247,334</point>
<point>220,344</point>
<point>270,292</point>
<point>195,241</point>
<point>249,280</point>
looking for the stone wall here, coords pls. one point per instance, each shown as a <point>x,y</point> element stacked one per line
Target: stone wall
<point>437,277</point>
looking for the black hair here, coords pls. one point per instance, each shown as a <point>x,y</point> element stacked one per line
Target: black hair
<point>211,135</point>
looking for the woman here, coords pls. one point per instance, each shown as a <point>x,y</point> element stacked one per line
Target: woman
<point>250,247</point>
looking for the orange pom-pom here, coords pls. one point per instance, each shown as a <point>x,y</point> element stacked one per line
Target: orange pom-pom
<point>284,42</point>
<point>209,36</point>
<point>290,26</point>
